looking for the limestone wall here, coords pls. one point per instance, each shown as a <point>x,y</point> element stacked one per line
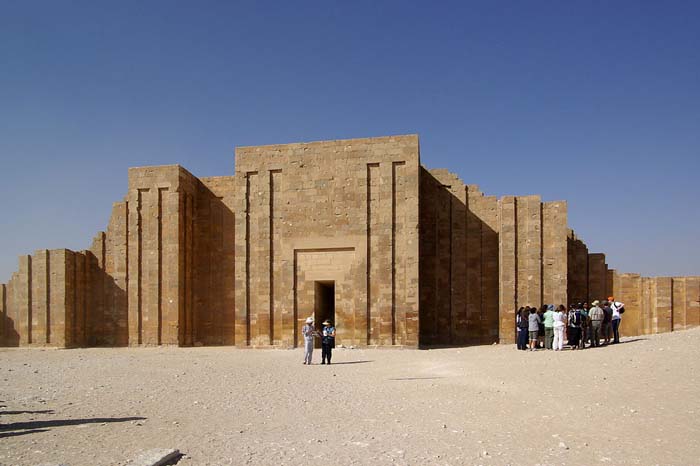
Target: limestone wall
<point>351,204</point>
<point>44,303</point>
<point>459,261</point>
<point>533,257</point>
<point>577,269</point>
<point>658,304</point>
<point>482,266</point>
<point>211,256</point>
<point>356,230</point>
<point>482,258</point>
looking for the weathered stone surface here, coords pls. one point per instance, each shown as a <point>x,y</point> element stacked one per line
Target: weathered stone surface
<point>354,230</point>
<point>156,457</point>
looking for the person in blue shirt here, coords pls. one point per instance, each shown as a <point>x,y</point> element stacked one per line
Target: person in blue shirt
<point>327,341</point>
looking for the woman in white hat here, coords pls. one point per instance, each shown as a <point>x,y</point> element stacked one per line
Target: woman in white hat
<point>309,333</point>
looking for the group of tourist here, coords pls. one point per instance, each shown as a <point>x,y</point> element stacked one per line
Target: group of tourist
<point>327,336</point>
<point>581,323</point>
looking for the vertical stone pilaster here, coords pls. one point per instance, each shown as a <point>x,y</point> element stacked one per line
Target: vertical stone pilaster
<point>554,249</point>
<point>508,268</point>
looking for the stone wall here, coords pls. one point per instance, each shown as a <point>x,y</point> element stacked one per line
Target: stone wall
<point>459,261</point>
<point>483,258</point>
<point>352,204</point>
<point>656,304</point>
<point>355,230</point>
<point>45,302</point>
<point>533,257</point>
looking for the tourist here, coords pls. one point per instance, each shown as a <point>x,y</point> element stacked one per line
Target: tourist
<point>309,333</point>
<point>558,325</point>
<point>585,325</point>
<point>607,322</point>
<point>540,327</point>
<point>618,309</point>
<point>522,324</point>
<point>596,315</point>
<point>548,327</point>
<point>327,341</point>
<point>534,321</point>
<point>575,321</point>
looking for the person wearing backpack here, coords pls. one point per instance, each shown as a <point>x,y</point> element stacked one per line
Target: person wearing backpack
<point>522,325</point>
<point>575,320</point>
<point>606,329</point>
<point>585,325</point>
<point>618,309</point>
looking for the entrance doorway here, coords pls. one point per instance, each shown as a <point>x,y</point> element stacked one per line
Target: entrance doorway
<point>324,304</point>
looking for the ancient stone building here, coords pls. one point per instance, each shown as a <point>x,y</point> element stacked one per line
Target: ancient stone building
<point>357,231</point>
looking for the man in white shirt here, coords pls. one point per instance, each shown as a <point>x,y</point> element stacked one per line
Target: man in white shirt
<point>618,308</point>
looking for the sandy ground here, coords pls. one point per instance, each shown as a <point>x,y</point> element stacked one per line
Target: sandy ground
<point>633,403</point>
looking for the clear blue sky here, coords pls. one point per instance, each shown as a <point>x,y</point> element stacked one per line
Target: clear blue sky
<point>594,102</point>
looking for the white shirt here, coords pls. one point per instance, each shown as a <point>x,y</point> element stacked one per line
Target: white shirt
<point>558,319</point>
<point>615,306</point>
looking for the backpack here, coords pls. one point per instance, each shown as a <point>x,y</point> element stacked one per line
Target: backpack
<point>523,324</point>
<point>576,319</point>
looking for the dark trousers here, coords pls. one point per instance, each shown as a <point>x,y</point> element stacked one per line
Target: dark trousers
<point>522,339</point>
<point>585,332</point>
<point>574,336</point>
<point>548,337</point>
<point>616,330</point>
<point>326,349</point>
<point>595,333</point>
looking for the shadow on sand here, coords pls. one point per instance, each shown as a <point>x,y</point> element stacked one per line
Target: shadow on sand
<point>350,362</point>
<point>20,428</point>
<point>42,411</point>
<point>417,378</point>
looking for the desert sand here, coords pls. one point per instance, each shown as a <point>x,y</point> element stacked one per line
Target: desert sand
<point>633,403</point>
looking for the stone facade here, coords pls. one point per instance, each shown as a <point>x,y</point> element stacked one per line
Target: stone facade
<point>357,231</point>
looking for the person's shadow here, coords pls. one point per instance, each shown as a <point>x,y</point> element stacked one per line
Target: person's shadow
<point>350,362</point>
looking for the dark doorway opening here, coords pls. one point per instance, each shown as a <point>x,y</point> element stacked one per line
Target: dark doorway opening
<point>324,304</point>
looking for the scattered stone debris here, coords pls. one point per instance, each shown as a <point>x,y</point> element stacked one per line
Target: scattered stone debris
<point>157,457</point>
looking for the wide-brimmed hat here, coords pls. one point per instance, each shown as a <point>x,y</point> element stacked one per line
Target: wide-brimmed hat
<point>595,303</point>
<point>327,322</point>
<point>309,320</point>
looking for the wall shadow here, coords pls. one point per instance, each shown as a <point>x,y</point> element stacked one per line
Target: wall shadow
<point>11,336</point>
<point>105,318</point>
<point>213,235</point>
<point>458,268</point>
